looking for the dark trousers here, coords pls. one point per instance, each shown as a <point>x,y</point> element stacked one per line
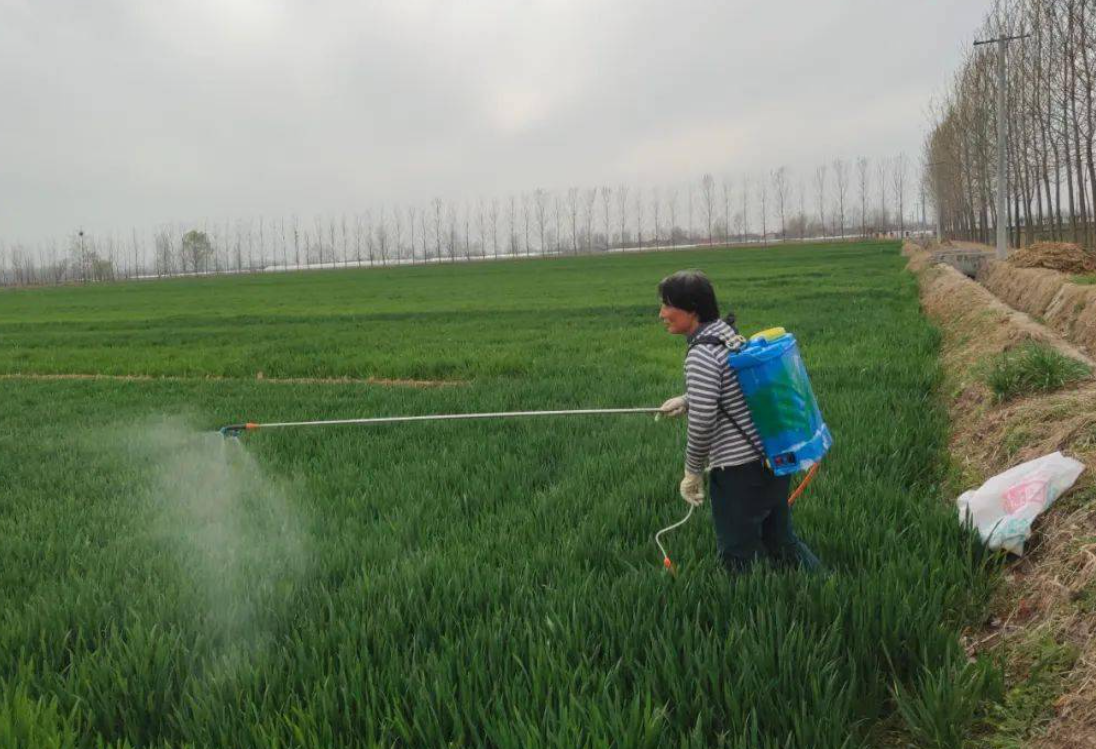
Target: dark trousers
<point>752,519</point>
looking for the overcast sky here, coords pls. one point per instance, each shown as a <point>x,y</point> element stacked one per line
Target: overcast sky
<point>129,114</point>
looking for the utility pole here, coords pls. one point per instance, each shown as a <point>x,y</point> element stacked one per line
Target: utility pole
<point>1002,205</point>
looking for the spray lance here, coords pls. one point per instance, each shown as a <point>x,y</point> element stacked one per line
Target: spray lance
<point>235,430</point>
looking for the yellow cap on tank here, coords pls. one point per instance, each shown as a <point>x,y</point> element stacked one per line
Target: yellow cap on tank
<point>769,335</point>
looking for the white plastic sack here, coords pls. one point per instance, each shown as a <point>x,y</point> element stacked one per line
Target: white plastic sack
<point>1003,508</point>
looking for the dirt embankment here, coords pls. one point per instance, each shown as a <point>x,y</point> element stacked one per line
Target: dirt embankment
<point>1069,308</point>
<point>1047,603</point>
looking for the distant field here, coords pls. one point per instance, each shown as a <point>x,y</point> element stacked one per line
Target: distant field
<point>467,583</point>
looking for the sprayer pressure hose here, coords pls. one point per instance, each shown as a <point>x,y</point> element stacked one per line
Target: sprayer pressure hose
<point>658,536</point>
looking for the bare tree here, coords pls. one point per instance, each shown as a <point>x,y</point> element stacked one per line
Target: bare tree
<point>165,253</point>
<point>452,240</point>
<point>397,230</point>
<point>726,185</point>
<point>238,243</point>
<point>572,212</point>
<point>882,174</point>
<point>466,212</point>
<point>802,209</point>
<point>639,216</point>
<point>540,203</point>
<point>745,207</point>
<point>494,214</point>
<point>820,175</point>
<point>344,236</point>
<point>606,202</point>
<point>863,173</point>
<point>370,239</point>
<point>898,174</point>
<point>671,210</point>
<point>763,199</point>
<point>424,233</point>
<point>707,194</point>
<point>689,212</point>
<point>137,253</point>
<point>656,205</point>
<point>526,212</point>
<point>384,239</point>
<point>331,239</point>
<point>481,227</point>
<point>841,175</point>
<point>557,214</point>
<point>589,203</point>
<point>622,212</point>
<point>780,192</point>
<point>317,223</point>
<point>358,239</point>
<point>285,246</point>
<point>437,207</point>
<point>296,241</point>
<point>513,227</point>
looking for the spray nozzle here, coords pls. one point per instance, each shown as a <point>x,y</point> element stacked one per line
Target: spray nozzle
<point>235,430</point>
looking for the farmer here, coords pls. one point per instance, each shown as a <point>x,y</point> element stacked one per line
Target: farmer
<point>749,503</point>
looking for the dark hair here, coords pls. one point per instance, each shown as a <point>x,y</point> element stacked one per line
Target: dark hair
<point>691,291</point>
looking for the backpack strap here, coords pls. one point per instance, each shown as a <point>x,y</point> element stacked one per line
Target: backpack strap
<point>714,341</point>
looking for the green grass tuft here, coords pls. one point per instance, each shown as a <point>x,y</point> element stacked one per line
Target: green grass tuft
<point>1032,368</point>
<point>948,701</point>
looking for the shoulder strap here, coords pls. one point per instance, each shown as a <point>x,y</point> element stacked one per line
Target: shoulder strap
<point>713,341</point>
<point>707,340</point>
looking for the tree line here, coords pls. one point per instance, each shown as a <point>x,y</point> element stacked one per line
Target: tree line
<point>842,198</point>
<point>1051,129</point>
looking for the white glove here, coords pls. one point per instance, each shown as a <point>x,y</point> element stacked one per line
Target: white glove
<point>673,408</point>
<point>692,488</point>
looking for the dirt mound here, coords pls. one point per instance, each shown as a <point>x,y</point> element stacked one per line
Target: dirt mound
<point>1060,256</point>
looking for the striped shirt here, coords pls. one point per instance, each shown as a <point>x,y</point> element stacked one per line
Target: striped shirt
<point>714,442</point>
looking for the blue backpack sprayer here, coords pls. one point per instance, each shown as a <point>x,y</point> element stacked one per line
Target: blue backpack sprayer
<point>793,437</point>
<point>774,382</point>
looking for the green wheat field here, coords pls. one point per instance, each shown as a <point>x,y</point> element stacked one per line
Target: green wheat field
<point>469,583</point>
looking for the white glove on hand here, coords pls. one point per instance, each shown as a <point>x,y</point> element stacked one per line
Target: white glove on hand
<point>673,408</point>
<point>692,488</point>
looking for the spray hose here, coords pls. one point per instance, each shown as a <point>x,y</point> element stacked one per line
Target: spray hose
<point>658,540</point>
<point>669,565</point>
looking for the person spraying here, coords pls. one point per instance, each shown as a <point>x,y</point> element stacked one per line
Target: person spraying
<point>750,512</point>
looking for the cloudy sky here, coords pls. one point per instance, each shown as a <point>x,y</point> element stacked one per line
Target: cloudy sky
<point>127,114</point>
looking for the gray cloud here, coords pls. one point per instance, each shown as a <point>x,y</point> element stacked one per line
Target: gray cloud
<point>119,114</point>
